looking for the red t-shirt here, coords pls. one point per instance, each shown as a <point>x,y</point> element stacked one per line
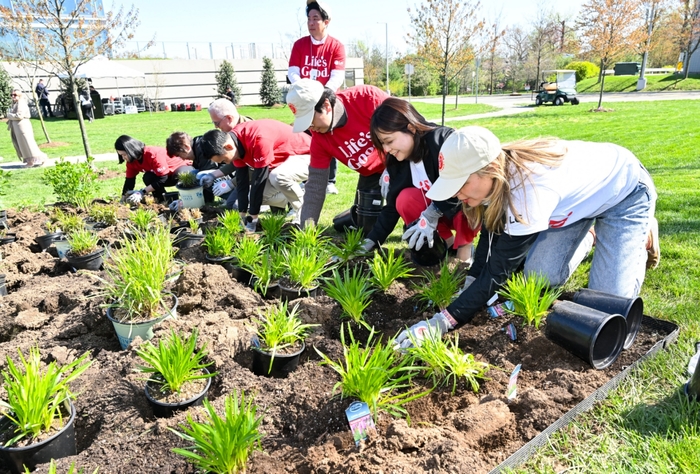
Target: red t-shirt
<point>321,58</point>
<point>351,144</point>
<point>269,142</point>
<point>156,160</point>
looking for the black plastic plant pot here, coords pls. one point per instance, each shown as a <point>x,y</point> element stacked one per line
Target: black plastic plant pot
<point>592,335</point>
<point>632,309</point>
<point>185,240</point>
<point>289,294</point>
<point>430,256</point>
<point>58,446</point>
<point>241,275</point>
<point>272,291</point>
<point>346,220</point>
<point>3,287</point>
<point>166,410</point>
<point>3,219</point>
<point>46,240</point>
<point>369,206</point>
<point>91,261</point>
<point>8,238</point>
<point>282,364</point>
<point>227,262</point>
<point>95,225</point>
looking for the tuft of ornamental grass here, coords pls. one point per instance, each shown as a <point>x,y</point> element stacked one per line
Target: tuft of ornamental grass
<point>531,296</point>
<point>248,251</point>
<point>69,222</point>
<point>231,221</point>
<point>187,180</point>
<point>83,242</point>
<point>352,291</point>
<point>375,374</point>
<point>273,229</point>
<point>267,269</point>
<point>445,362</point>
<point>137,274</point>
<point>305,265</point>
<point>222,445</point>
<point>310,237</point>
<point>439,291</point>
<point>219,242</point>
<point>36,398</point>
<point>387,267</point>
<point>174,362</point>
<point>105,213</point>
<point>350,247</point>
<point>143,219</point>
<point>194,226</point>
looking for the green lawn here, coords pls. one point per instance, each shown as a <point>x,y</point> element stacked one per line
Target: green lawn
<point>655,83</point>
<point>646,425</point>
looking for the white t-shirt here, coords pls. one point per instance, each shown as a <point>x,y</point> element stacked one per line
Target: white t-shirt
<point>592,178</point>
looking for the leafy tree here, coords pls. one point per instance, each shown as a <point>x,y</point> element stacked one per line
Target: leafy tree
<point>5,91</point>
<point>609,29</point>
<point>226,78</point>
<point>444,32</point>
<point>543,42</point>
<point>269,90</point>
<point>69,33</point>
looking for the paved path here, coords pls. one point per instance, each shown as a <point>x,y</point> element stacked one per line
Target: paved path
<point>18,165</point>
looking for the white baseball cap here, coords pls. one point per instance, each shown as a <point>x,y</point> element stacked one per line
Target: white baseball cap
<point>302,97</point>
<point>322,5</point>
<point>466,151</point>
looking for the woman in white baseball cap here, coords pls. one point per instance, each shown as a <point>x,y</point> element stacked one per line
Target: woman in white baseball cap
<point>536,201</point>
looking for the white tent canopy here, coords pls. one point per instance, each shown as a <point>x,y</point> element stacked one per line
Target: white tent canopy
<point>100,67</point>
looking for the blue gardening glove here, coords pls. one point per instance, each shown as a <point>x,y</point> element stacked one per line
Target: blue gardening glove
<point>206,178</point>
<point>251,224</point>
<point>135,197</point>
<point>423,229</point>
<point>176,205</point>
<point>436,326</point>
<point>222,187</point>
<point>384,183</point>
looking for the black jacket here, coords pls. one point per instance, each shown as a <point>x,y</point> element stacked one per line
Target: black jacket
<point>200,162</point>
<point>400,179</point>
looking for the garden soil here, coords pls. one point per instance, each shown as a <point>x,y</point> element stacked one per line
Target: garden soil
<point>304,424</point>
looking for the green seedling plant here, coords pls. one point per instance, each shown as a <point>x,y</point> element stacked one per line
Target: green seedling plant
<point>350,247</point>
<point>194,226</point>
<point>247,251</point>
<point>387,267</point>
<point>273,229</point>
<point>352,291</point>
<point>53,469</point>
<point>310,237</point>
<point>231,221</point>
<point>445,362</point>
<point>36,397</point>
<point>376,374</point>
<point>223,445</point>
<point>219,242</point>
<point>187,180</point>
<point>531,296</point>
<point>137,274</point>
<point>174,362</point>
<point>269,268</point>
<point>106,214</point>
<point>305,265</point>
<point>278,329</point>
<point>439,291</point>
<point>143,219</point>
<point>83,242</point>
<point>69,222</point>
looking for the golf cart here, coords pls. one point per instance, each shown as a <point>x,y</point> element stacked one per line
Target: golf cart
<point>562,90</point>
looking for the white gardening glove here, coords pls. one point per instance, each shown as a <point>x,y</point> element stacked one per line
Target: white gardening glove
<point>424,229</point>
<point>176,205</point>
<point>206,178</point>
<point>251,224</point>
<point>222,187</point>
<point>436,326</point>
<point>135,197</point>
<point>384,183</point>
<point>367,245</point>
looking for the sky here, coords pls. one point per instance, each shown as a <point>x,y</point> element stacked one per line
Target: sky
<point>275,21</point>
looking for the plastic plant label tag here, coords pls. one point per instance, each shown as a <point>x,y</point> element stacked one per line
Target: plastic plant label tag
<point>360,420</point>
<point>500,309</point>
<point>512,390</point>
<point>512,332</point>
<point>492,300</point>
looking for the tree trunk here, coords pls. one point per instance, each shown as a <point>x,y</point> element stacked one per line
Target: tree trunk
<point>457,97</point>
<point>41,116</point>
<point>444,97</point>
<point>79,114</point>
<point>602,85</point>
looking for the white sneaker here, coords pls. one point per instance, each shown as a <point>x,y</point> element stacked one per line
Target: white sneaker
<point>293,216</point>
<point>331,189</point>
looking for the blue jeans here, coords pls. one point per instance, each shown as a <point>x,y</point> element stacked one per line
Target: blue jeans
<point>620,256</point>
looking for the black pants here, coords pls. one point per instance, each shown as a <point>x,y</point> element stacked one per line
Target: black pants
<point>369,183</point>
<point>45,105</point>
<point>333,169</point>
<point>159,183</point>
<point>87,112</point>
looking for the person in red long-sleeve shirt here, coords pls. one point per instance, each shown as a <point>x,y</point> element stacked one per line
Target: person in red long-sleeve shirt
<point>159,169</point>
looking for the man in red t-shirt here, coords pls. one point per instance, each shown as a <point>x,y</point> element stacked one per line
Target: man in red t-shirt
<point>320,57</point>
<point>278,157</point>
<point>339,125</point>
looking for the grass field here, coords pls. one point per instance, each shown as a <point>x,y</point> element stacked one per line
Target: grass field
<point>646,425</point>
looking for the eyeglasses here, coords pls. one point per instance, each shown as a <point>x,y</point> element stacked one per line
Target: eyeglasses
<point>216,123</point>
<point>14,95</point>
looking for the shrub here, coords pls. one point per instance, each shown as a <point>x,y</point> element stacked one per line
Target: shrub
<point>226,77</point>
<point>269,90</point>
<point>584,69</point>
<point>74,183</point>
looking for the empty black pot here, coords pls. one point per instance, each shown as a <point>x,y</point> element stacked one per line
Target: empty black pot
<point>8,238</point>
<point>632,309</point>
<point>58,446</point>
<point>91,261</point>
<point>346,220</point>
<point>46,240</point>
<point>241,275</point>
<point>429,256</point>
<point>166,410</point>
<point>369,206</point>
<point>186,239</point>
<point>3,287</point>
<point>280,365</point>
<point>589,334</point>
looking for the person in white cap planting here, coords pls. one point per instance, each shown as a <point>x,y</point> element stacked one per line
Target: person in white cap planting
<point>536,201</point>
<point>339,125</point>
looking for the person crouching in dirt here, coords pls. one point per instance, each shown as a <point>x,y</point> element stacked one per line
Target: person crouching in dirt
<point>536,201</point>
<point>339,125</point>
<point>278,157</point>
<point>159,169</point>
<point>410,146</point>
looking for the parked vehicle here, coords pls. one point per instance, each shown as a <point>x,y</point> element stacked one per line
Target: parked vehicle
<point>562,90</point>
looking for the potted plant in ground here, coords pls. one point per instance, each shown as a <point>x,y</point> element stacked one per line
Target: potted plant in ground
<point>135,285</point>
<point>52,231</point>
<point>438,291</point>
<point>531,296</point>
<point>219,243</point>
<point>304,268</point>
<point>222,445</point>
<point>387,267</point>
<point>231,221</point>
<point>178,375</point>
<point>310,237</point>
<point>191,192</point>
<point>349,248</point>
<point>352,291</point>
<point>279,341</point>
<point>141,221</point>
<point>273,229</point>
<point>186,237</point>
<point>101,216</point>
<point>247,253</point>
<point>267,271</point>
<point>85,252</point>
<point>38,403</point>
